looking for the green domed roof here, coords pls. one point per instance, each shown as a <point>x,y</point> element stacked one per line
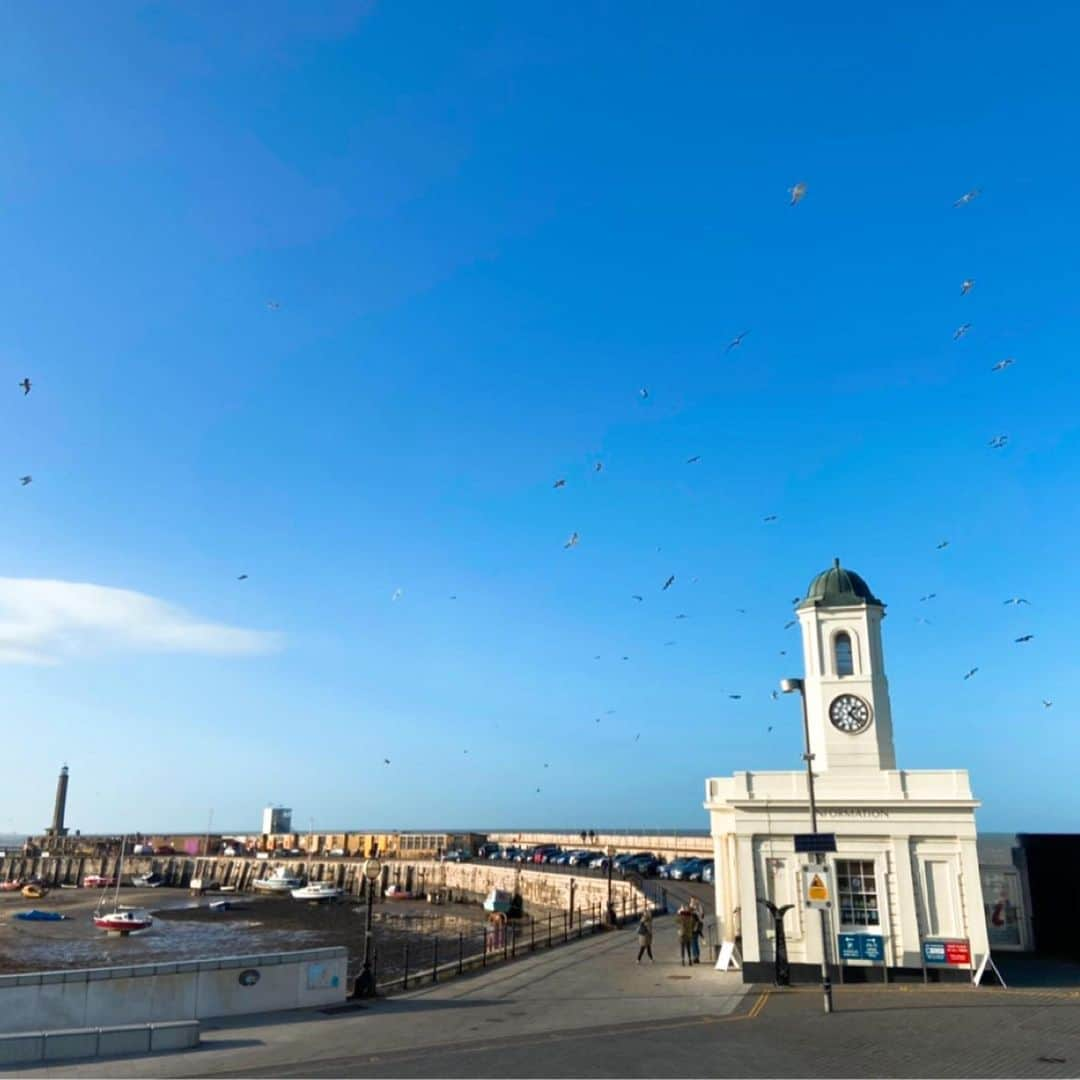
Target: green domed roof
<point>837,587</point>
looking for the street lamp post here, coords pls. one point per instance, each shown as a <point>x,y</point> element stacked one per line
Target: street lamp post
<point>791,686</point>
<point>365,984</point>
<point>610,902</point>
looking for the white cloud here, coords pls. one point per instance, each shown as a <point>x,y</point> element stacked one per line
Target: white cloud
<point>46,622</point>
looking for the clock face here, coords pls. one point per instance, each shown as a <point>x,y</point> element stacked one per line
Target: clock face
<point>849,714</point>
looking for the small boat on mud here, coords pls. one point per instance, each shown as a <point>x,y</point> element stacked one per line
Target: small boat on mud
<point>121,920</point>
<point>11,886</point>
<point>124,921</point>
<point>153,880</point>
<point>34,891</point>
<point>318,892</point>
<point>398,892</point>
<point>98,881</point>
<point>40,916</point>
<point>279,881</point>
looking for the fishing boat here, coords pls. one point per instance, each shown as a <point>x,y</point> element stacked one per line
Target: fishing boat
<point>153,880</point>
<point>499,900</point>
<point>398,892</point>
<point>279,881</point>
<point>11,886</point>
<point>41,916</point>
<point>317,892</point>
<point>121,920</point>
<point>99,881</point>
<point>34,891</point>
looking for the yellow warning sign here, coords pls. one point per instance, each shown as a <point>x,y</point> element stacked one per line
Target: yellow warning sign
<point>817,890</point>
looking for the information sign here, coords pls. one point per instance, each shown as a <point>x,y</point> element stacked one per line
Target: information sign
<point>810,843</point>
<point>947,951</point>
<point>861,947</point>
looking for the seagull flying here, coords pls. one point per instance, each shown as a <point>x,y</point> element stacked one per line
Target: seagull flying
<point>736,341</point>
<point>666,643</point>
<point>770,517</point>
<point>960,331</point>
<point>680,616</point>
<point>559,483</point>
<point>598,467</point>
<point>636,597</point>
<point>928,596</point>
<point>1047,703</point>
<point>1022,638</point>
<point>1001,365</point>
<point>797,193</point>
<point>644,392</point>
<point>241,577</point>
<point>691,460</point>
<point>667,584</point>
<point>967,197</point>
<point>775,695</point>
<point>943,545</point>
<point>24,480</point>
<point>25,384</point>
<point>998,441</point>
<point>970,673</point>
<point>397,594</point>
<point>1016,600</point>
<point>386,761</point>
<point>273,305</point>
<point>966,286</point>
<point>789,625</point>
<point>735,697</point>
<point>572,542</point>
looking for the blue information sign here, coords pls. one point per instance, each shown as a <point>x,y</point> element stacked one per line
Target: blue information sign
<point>862,947</point>
<point>933,952</point>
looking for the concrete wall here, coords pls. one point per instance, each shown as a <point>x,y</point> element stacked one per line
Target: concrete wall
<point>82,1043</point>
<point>186,990</point>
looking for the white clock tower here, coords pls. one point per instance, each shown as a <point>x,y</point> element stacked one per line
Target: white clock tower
<point>847,694</point>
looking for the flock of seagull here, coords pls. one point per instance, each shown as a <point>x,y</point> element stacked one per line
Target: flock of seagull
<point>797,193</point>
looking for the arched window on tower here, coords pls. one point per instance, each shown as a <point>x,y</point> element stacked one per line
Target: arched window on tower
<point>845,664</point>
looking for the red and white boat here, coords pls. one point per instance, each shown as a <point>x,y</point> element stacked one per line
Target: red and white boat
<point>11,886</point>
<point>124,921</point>
<point>98,881</point>
<point>398,892</point>
<point>121,920</point>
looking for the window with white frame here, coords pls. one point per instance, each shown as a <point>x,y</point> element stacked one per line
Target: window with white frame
<point>856,892</point>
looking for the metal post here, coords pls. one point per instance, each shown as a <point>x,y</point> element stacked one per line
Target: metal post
<point>405,977</point>
<point>532,934</point>
<point>513,940</point>
<point>549,929</point>
<point>819,857</point>
<point>365,984</point>
<point>579,926</point>
<point>460,952</point>
<point>610,906</point>
<point>483,955</point>
<point>435,960</point>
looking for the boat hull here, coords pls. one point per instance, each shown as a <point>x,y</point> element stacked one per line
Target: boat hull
<point>123,924</point>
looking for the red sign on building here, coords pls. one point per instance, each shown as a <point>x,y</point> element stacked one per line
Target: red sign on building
<point>957,952</point>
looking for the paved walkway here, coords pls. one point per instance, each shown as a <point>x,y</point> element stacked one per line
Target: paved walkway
<point>586,984</point>
<point>587,1009</point>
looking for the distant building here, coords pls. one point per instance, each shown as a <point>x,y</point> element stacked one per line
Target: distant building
<point>276,819</point>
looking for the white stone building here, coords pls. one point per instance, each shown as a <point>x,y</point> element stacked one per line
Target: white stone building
<point>905,866</point>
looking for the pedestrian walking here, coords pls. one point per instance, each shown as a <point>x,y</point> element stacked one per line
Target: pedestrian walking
<point>644,936</point>
<point>684,922</point>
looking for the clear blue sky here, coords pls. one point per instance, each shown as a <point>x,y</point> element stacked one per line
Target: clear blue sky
<point>487,226</point>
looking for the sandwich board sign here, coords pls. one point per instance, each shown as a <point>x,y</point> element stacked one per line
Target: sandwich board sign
<point>729,957</point>
<point>817,886</point>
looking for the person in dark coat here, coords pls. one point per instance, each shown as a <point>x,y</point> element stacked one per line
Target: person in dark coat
<point>684,922</point>
<point>644,936</point>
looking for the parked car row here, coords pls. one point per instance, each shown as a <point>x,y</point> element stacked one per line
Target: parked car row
<point>642,863</point>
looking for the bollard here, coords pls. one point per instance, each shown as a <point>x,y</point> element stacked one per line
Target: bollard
<point>549,929</point>
<point>405,976</point>
<point>532,934</point>
<point>435,960</point>
<point>460,952</point>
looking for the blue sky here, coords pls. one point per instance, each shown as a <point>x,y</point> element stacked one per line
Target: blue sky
<point>487,226</point>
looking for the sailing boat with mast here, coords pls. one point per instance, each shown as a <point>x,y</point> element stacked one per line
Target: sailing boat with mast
<point>121,920</point>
